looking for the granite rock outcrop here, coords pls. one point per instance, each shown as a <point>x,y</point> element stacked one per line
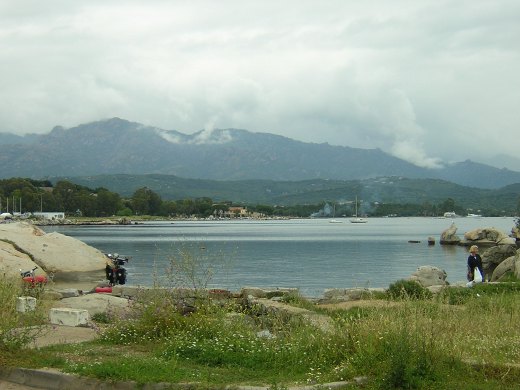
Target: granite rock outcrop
<point>59,257</point>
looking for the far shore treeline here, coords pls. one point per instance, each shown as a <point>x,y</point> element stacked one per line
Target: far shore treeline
<point>23,195</point>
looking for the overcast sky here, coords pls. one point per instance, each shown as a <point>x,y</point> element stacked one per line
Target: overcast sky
<point>422,80</point>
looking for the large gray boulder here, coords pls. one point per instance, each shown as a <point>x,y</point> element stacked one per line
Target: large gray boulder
<point>449,237</point>
<point>96,303</point>
<point>495,255</point>
<point>511,265</point>
<point>505,268</point>
<point>487,237</point>
<point>349,294</point>
<point>66,258</point>
<point>516,266</point>
<point>428,275</point>
<point>12,261</point>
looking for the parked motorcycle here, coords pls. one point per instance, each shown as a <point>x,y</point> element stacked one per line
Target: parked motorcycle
<point>31,280</point>
<point>115,272</point>
<point>28,274</point>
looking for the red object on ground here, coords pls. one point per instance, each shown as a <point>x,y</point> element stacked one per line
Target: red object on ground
<point>35,279</point>
<point>40,279</point>
<point>103,289</point>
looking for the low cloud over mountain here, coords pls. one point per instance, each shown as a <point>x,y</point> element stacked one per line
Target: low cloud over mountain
<point>117,146</point>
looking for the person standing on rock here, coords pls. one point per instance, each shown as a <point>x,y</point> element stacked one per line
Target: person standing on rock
<point>474,261</point>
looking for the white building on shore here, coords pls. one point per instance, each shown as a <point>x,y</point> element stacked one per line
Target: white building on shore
<point>51,215</point>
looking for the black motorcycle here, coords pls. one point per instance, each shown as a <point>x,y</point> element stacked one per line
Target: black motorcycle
<point>115,272</point>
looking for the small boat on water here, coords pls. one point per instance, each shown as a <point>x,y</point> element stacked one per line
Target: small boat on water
<point>450,214</point>
<point>357,219</point>
<point>334,221</point>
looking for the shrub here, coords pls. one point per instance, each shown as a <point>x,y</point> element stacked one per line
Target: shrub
<point>102,318</point>
<point>408,289</point>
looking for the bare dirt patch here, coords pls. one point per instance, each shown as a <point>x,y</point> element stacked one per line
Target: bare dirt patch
<point>369,303</point>
<point>57,334</point>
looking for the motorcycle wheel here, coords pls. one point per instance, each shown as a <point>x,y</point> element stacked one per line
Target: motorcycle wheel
<point>121,276</point>
<point>111,277</point>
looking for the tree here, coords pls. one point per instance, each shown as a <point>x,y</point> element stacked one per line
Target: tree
<point>204,206</point>
<point>146,202</point>
<point>186,207</point>
<point>449,205</point>
<point>108,203</point>
<point>169,208</point>
<point>263,209</point>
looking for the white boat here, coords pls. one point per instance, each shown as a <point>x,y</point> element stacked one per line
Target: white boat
<point>450,214</point>
<point>334,221</point>
<point>474,215</point>
<point>357,219</point>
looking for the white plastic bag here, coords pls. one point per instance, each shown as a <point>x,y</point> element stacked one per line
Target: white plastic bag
<point>477,276</point>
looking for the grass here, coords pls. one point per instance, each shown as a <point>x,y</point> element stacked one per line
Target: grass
<point>465,338</point>
<point>17,329</point>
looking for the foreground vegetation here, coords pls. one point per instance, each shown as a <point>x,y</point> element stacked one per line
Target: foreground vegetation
<point>464,338</point>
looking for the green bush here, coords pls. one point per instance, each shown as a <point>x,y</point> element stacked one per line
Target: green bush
<point>408,289</point>
<point>102,318</point>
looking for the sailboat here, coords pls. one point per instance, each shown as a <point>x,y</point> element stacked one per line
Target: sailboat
<point>357,219</point>
<point>333,215</point>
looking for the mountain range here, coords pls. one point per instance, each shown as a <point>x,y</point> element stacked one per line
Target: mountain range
<point>118,146</point>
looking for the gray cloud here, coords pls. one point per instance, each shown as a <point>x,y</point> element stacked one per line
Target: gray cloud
<point>422,80</point>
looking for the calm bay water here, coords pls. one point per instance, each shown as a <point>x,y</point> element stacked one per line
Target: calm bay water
<point>310,254</point>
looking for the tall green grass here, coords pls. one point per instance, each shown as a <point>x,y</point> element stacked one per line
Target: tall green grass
<point>17,329</point>
<point>220,337</point>
<point>407,344</point>
<point>461,338</point>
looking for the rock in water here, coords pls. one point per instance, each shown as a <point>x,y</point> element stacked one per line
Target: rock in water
<point>448,236</point>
